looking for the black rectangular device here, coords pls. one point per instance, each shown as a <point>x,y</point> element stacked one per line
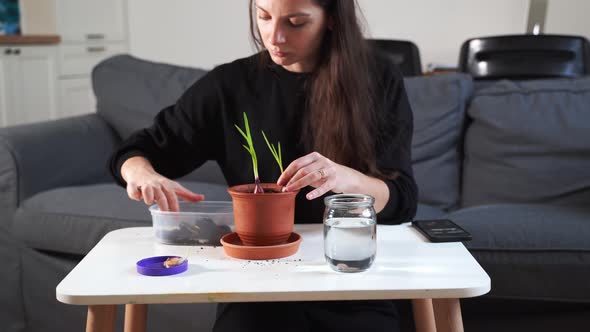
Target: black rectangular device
<point>441,230</point>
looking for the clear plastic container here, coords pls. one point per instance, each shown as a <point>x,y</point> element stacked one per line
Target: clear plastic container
<point>201,223</point>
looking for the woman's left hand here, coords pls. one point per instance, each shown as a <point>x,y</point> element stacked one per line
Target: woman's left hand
<point>321,173</point>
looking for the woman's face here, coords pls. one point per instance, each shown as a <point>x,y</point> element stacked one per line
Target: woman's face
<point>292,31</point>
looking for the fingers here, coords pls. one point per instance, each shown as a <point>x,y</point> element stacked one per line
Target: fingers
<point>319,191</point>
<point>165,194</point>
<point>296,165</point>
<point>148,195</point>
<point>172,200</point>
<point>188,195</point>
<point>134,192</point>
<point>313,175</point>
<point>152,187</point>
<point>165,197</point>
<point>161,199</point>
<point>300,174</point>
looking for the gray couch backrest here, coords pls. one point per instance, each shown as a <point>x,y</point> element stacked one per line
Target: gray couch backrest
<point>438,104</point>
<point>130,92</point>
<point>528,142</point>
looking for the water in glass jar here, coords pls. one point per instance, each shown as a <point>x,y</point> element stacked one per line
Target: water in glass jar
<point>350,243</point>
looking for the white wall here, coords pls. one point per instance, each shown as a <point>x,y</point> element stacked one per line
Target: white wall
<point>189,32</point>
<point>568,17</point>
<point>439,27</point>
<point>206,33</point>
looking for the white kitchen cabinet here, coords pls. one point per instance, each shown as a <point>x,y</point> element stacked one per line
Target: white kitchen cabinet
<point>76,62</point>
<point>91,20</point>
<point>44,82</point>
<point>5,88</point>
<point>80,59</point>
<point>28,78</point>
<point>91,31</point>
<point>76,97</point>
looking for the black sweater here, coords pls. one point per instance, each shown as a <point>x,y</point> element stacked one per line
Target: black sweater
<point>200,127</point>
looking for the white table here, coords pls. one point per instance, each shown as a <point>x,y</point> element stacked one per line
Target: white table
<point>407,266</point>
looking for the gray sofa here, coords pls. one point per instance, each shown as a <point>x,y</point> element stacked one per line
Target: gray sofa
<point>509,161</point>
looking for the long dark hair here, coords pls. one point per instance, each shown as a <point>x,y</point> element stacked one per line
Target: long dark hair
<point>340,120</point>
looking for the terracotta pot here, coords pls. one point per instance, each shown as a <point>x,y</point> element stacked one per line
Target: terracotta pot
<point>263,219</point>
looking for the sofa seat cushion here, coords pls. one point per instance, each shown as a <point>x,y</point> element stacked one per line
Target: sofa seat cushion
<point>528,143</point>
<point>438,105</point>
<point>531,251</point>
<point>73,219</point>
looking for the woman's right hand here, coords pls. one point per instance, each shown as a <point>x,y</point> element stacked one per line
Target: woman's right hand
<point>144,183</point>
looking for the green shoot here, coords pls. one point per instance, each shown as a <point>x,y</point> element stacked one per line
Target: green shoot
<point>276,151</point>
<point>250,148</point>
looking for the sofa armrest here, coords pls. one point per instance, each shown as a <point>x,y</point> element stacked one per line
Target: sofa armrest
<point>52,154</point>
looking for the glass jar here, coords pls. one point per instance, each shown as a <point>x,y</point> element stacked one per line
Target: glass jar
<point>350,232</point>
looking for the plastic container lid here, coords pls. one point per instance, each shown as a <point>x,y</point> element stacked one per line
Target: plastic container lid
<point>197,209</point>
<point>154,266</point>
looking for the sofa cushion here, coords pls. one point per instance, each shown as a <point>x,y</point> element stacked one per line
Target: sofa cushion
<point>73,219</point>
<point>438,104</point>
<point>425,211</point>
<point>528,143</point>
<point>531,251</point>
<point>12,313</point>
<point>130,92</point>
<point>209,172</point>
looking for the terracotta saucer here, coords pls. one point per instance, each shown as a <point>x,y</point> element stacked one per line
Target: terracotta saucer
<point>232,245</point>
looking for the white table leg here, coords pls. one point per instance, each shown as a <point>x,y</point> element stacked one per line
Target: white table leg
<point>447,313</point>
<point>135,317</point>
<point>423,315</point>
<point>101,318</point>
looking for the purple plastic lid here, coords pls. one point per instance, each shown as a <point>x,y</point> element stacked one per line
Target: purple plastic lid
<point>154,266</point>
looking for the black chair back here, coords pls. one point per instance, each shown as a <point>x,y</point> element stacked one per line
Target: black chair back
<point>403,53</point>
<point>525,57</point>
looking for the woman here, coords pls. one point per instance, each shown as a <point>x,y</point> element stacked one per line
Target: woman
<point>343,120</point>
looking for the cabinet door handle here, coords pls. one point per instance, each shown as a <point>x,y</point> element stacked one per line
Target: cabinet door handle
<point>95,36</point>
<point>8,51</point>
<point>96,49</point>
<point>17,51</point>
